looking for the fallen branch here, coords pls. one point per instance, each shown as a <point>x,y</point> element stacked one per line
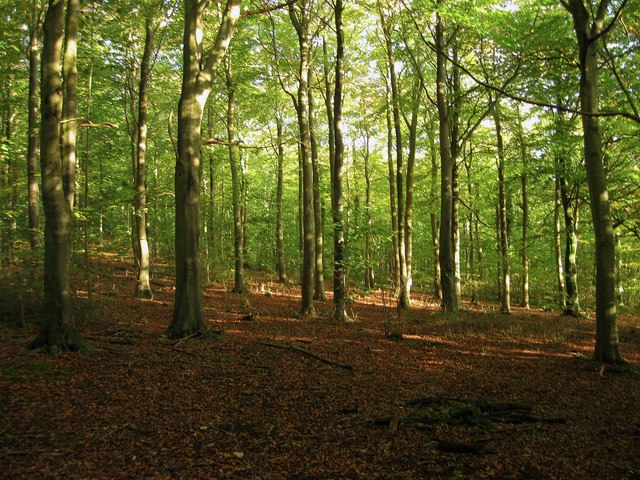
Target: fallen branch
<point>310,354</point>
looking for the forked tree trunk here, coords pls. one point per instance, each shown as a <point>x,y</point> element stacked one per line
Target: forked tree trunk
<point>197,77</point>
<point>58,331</point>
<point>143,264</point>
<point>299,15</point>
<point>589,32</point>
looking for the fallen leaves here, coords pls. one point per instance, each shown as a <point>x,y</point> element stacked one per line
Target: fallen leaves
<point>242,403</point>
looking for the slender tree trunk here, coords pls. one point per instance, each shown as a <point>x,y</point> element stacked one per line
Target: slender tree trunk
<point>339,281</point>
<point>505,298</point>
<point>299,16</point>
<point>570,209</point>
<point>435,236</point>
<point>454,121</point>
<point>238,224</point>
<point>472,230</point>
<point>558,244</point>
<point>403,293</point>
<point>319,290</point>
<point>588,32</point>
<point>33,146</point>
<point>85,172</point>
<point>369,280</point>
<point>143,266</point>
<point>393,200</point>
<point>281,267</point>
<point>447,265</point>
<point>524,180</point>
<point>408,216</point>
<point>58,331</point>
<point>197,75</point>
<point>70,105</point>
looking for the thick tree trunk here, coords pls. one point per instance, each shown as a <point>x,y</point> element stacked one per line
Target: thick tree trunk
<point>588,32</point>
<point>299,15</point>
<point>143,264</point>
<point>33,146</point>
<point>447,266</point>
<point>505,279</point>
<point>197,75</point>
<point>58,331</point>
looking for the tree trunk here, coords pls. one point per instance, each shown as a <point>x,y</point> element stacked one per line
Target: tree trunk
<point>319,290</point>
<point>143,266</point>
<point>558,245</point>
<point>299,15</point>
<point>33,146</point>
<point>197,75</point>
<point>524,181</point>
<point>238,224</point>
<point>369,280</point>
<point>408,216</point>
<point>70,105</point>
<point>447,266</point>
<point>588,32</point>
<point>435,236</point>
<point>505,297</point>
<point>570,209</point>
<point>472,230</point>
<point>339,283</point>
<point>393,200</point>
<point>403,292</point>
<point>58,331</point>
<point>281,267</point>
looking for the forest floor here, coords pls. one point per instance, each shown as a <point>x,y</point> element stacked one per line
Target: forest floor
<point>267,396</point>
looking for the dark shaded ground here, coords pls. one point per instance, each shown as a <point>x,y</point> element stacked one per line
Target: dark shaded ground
<point>231,406</point>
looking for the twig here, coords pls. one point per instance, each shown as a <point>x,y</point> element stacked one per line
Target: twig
<point>308,353</point>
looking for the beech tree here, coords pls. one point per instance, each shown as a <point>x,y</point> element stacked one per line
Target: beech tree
<point>58,330</point>
<point>197,77</point>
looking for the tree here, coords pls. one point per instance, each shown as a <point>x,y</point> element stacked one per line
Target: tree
<point>33,145</point>
<point>197,77</point>
<point>58,330</point>
<point>339,283</point>
<point>142,260</point>
<point>590,26</point>
<point>299,14</point>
